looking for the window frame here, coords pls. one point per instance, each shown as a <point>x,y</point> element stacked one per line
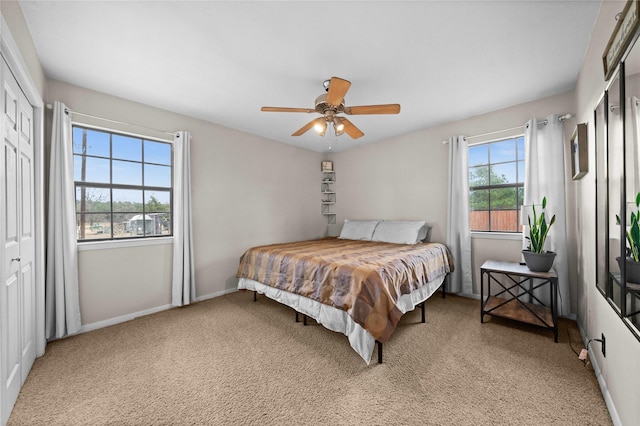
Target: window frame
<point>516,185</point>
<point>140,240</point>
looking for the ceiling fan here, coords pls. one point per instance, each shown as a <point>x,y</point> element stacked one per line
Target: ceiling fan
<point>330,105</point>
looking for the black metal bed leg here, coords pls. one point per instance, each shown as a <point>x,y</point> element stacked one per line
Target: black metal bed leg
<point>379,351</point>
<point>444,286</point>
<point>304,318</point>
<point>423,308</point>
<point>255,296</point>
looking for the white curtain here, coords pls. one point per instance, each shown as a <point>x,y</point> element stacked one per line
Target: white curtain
<point>545,177</point>
<point>62,303</point>
<point>183,284</point>
<point>458,234</point>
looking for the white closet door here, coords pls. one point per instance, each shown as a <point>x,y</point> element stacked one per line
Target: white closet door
<point>17,290</point>
<point>27,239</point>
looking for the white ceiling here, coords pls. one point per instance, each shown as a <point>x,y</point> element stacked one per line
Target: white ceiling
<point>222,60</point>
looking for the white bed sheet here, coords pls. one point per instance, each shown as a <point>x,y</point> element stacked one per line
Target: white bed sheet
<point>337,320</point>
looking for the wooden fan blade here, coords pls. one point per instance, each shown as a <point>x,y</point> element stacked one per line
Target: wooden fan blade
<point>308,126</point>
<point>279,109</point>
<point>337,89</point>
<point>373,109</point>
<point>351,129</point>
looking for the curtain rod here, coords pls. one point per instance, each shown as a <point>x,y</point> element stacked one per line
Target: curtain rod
<point>615,107</point>
<point>68,110</point>
<point>543,122</point>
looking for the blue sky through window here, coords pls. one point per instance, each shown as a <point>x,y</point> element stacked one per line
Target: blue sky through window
<point>126,148</point>
<point>509,151</point>
<point>478,155</point>
<point>157,152</point>
<point>112,158</point>
<point>97,143</point>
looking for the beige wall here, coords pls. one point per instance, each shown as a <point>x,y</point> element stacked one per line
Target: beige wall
<point>12,14</point>
<point>121,281</point>
<point>406,177</point>
<point>621,367</point>
<point>246,191</point>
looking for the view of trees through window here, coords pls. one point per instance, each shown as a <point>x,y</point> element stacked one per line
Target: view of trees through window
<point>123,185</point>
<point>496,185</point>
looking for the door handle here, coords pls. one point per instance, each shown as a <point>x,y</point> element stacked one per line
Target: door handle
<point>17,259</point>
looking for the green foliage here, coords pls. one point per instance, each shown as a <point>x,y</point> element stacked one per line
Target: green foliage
<point>633,233</point>
<point>153,205</point>
<point>483,175</point>
<point>96,204</point>
<point>538,229</point>
<point>501,198</point>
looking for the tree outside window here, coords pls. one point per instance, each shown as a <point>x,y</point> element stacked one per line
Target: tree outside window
<point>496,185</point>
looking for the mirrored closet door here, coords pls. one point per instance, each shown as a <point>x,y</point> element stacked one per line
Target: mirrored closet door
<point>617,135</point>
<point>602,207</point>
<point>631,111</point>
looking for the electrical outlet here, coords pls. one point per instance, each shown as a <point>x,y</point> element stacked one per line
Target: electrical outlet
<point>604,351</point>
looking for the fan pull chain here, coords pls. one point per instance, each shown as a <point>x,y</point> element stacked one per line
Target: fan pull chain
<point>336,141</point>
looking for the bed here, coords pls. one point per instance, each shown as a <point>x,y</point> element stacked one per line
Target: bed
<point>358,287</point>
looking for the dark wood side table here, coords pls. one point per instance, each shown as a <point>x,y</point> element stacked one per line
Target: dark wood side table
<point>508,301</point>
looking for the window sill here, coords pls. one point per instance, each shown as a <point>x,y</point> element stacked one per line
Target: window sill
<point>115,244</point>
<point>497,235</point>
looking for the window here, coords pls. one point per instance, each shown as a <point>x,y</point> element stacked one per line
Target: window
<point>496,185</point>
<point>122,184</point>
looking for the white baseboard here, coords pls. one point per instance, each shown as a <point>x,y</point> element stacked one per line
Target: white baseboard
<point>216,294</point>
<point>133,315</point>
<point>468,295</point>
<point>603,385</point>
<point>122,318</point>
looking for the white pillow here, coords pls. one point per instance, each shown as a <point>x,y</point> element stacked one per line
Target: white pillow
<point>399,232</point>
<point>425,233</point>
<point>358,229</point>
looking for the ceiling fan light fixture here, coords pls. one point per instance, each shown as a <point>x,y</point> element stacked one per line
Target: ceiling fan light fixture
<point>338,126</point>
<point>332,103</point>
<point>320,127</point>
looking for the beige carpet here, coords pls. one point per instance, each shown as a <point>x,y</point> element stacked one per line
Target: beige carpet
<point>232,361</point>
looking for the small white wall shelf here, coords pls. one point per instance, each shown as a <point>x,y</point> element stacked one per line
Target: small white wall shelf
<point>328,199</point>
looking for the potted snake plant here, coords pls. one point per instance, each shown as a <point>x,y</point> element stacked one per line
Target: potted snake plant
<point>633,250</point>
<point>536,258</point>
